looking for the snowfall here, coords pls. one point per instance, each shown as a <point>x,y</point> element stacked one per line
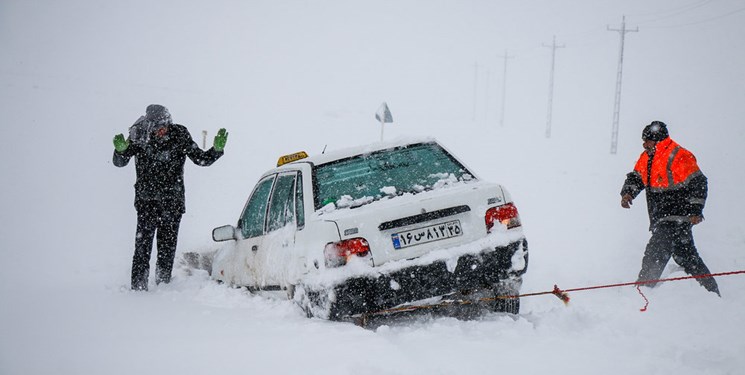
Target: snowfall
<point>289,75</point>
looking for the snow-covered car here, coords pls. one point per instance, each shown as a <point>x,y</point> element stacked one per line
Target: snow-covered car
<point>365,229</point>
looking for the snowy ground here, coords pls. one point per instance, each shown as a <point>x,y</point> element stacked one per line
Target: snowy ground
<point>284,76</point>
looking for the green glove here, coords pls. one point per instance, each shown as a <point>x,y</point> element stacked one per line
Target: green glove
<point>220,139</point>
<point>120,144</point>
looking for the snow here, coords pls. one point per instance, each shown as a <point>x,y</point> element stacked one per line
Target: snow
<point>288,75</point>
<point>388,190</point>
<point>346,201</point>
<point>441,188</point>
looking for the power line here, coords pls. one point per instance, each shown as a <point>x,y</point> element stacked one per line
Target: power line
<point>664,14</point>
<point>700,21</point>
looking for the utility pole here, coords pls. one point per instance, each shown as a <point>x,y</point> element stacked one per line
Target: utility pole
<point>504,85</point>
<point>617,104</point>
<point>475,87</point>
<point>487,100</point>
<point>553,47</point>
<point>204,139</point>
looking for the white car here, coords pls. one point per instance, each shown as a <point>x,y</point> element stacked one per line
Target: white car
<point>362,230</point>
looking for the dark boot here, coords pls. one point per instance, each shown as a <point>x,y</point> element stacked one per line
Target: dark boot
<point>710,284</point>
<point>139,286</point>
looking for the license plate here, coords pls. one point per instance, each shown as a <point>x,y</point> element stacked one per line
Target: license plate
<point>427,234</point>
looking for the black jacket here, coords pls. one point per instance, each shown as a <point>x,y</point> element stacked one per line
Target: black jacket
<point>160,166</point>
<point>677,203</point>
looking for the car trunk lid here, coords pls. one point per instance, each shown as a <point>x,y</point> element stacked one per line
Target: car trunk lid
<point>409,226</point>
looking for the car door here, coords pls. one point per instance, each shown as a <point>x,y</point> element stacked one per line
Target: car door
<point>275,257</point>
<point>251,229</point>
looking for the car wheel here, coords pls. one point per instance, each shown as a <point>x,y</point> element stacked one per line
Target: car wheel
<point>315,303</point>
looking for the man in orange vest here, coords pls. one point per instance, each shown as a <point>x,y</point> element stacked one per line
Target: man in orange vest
<point>676,194</point>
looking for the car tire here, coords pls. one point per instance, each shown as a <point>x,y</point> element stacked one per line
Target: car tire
<point>315,303</point>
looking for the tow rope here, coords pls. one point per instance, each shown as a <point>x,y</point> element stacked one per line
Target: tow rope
<point>562,294</point>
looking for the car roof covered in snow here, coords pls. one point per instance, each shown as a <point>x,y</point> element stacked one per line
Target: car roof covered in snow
<point>333,155</point>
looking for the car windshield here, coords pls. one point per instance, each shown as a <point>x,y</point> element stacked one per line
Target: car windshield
<point>366,178</point>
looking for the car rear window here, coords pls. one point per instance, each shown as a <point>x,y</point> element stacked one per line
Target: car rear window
<point>365,178</point>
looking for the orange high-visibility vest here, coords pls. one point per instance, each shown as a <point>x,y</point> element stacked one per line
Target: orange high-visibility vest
<point>672,167</point>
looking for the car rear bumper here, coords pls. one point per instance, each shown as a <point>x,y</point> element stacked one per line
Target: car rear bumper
<point>477,271</point>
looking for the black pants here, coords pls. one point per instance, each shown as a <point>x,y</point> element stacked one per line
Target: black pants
<point>152,217</point>
<point>671,238</point>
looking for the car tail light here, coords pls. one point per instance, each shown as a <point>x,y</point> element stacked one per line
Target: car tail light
<point>338,253</point>
<point>505,214</point>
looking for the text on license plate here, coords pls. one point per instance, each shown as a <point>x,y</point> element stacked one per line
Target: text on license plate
<point>427,234</point>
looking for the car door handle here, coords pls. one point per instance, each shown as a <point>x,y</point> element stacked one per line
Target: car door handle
<point>254,248</point>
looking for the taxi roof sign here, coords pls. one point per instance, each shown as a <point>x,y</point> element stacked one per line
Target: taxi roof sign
<point>284,159</point>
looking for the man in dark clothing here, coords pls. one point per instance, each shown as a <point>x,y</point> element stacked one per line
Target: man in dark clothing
<point>160,148</point>
<point>676,194</point>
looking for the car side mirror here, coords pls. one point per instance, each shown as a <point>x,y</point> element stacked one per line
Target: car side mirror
<point>224,233</point>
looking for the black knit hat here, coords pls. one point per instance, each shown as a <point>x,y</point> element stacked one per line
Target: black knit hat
<point>158,114</point>
<point>656,131</point>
